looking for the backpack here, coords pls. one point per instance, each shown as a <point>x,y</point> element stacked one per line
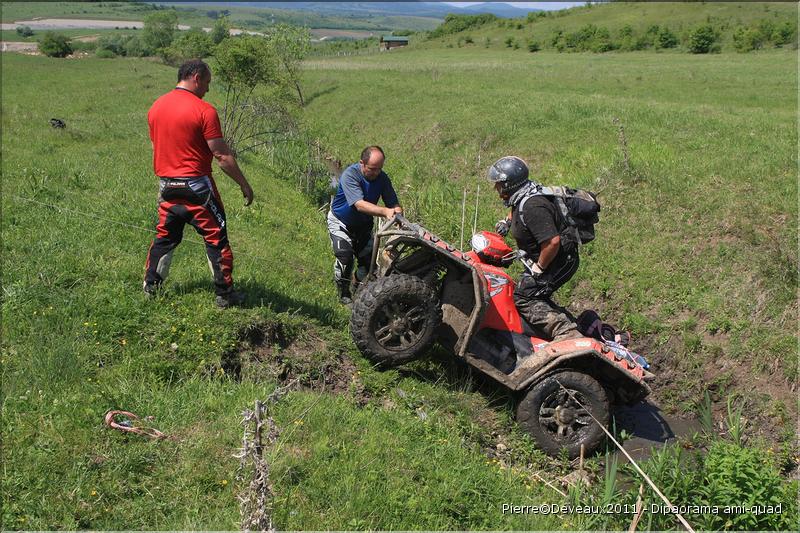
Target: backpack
<point>579,210</point>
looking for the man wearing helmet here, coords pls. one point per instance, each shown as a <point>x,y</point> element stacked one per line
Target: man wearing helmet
<point>536,225</point>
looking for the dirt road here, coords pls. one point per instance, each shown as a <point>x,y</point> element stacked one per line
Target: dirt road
<point>15,46</point>
<point>90,24</point>
<point>75,24</point>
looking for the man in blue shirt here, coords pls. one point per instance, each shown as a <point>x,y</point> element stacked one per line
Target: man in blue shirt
<point>361,185</point>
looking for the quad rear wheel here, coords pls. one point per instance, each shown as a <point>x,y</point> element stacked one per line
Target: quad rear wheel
<point>558,418</point>
<point>394,319</point>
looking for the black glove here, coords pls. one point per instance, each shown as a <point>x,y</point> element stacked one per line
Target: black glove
<point>503,226</point>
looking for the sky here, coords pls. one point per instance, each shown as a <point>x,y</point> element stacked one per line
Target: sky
<point>547,6</point>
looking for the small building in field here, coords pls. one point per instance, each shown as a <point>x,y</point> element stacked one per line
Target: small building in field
<point>390,41</point>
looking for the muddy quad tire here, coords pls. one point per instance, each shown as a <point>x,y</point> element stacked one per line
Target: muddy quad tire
<point>394,319</point>
<point>556,421</point>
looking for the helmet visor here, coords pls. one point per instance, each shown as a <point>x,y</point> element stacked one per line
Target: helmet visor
<point>496,175</point>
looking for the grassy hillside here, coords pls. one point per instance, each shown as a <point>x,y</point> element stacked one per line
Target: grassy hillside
<point>697,248</point>
<point>12,11</point>
<point>679,17</point>
<point>79,338</point>
<point>696,254</point>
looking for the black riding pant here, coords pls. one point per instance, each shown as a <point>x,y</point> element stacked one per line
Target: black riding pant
<point>533,298</point>
<point>348,245</point>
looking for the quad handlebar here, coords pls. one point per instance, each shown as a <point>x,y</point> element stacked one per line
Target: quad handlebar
<point>410,229</point>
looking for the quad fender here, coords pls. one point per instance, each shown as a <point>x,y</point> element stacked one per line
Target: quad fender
<point>624,385</point>
<point>464,300</point>
<point>624,381</point>
<point>397,232</point>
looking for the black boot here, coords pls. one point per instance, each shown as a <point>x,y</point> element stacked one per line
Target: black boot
<point>345,298</point>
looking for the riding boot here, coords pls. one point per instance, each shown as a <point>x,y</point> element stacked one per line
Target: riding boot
<point>345,297</point>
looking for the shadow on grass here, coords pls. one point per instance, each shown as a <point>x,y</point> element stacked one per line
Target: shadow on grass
<point>456,375</point>
<point>649,427</point>
<point>258,295</point>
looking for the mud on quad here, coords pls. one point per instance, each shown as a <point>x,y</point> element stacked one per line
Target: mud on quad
<point>422,290</point>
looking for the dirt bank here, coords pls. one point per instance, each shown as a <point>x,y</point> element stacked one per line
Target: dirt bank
<point>17,46</point>
<point>76,24</point>
<point>89,24</point>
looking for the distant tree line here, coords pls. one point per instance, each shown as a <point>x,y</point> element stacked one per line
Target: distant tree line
<point>591,38</point>
<point>701,39</point>
<point>277,55</point>
<point>764,33</point>
<point>160,37</point>
<point>458,23</point>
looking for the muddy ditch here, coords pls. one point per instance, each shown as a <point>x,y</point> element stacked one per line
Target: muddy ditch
<point>768,402</point>
<point>768,399</point>
<point>278,353</point>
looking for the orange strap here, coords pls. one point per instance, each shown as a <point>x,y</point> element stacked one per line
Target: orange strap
<point>113,424</point>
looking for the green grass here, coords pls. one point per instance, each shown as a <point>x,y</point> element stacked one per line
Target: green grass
<point>704,227</point>
<point>13,11</point>
<point>696,254</point>
<point>80,338</point>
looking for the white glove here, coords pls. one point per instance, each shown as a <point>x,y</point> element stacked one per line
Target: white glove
<point>503,226</point>
<point>533,266</point>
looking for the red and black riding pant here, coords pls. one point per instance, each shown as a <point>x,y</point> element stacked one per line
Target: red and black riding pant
<point>193,201</point>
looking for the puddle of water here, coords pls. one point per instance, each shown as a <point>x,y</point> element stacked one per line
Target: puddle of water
<point>651,429</point>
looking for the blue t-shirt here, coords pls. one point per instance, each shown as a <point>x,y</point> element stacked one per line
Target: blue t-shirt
<point>353,186</point>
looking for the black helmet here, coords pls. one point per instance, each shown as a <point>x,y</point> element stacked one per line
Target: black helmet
<point>510,171</point>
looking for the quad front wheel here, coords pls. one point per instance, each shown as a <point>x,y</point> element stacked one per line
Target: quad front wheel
<point>556,412</point>
<point>394,319</point>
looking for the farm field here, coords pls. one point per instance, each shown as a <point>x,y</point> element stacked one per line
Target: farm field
<point>12,11</point>
<point>196,15</point>
<point>696,255</point>
<point>75,34</point>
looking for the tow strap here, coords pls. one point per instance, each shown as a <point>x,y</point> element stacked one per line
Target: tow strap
<point>126,424</point>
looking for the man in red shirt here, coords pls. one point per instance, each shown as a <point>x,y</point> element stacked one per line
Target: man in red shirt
<point>186,136</point>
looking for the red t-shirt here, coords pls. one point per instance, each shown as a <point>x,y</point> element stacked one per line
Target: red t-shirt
<point>180,124</point>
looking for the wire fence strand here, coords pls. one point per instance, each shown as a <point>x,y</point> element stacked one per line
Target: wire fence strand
<point>94,216</point>
<point>641,472</point>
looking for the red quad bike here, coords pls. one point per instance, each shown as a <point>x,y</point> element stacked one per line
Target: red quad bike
<point>422,290</point>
